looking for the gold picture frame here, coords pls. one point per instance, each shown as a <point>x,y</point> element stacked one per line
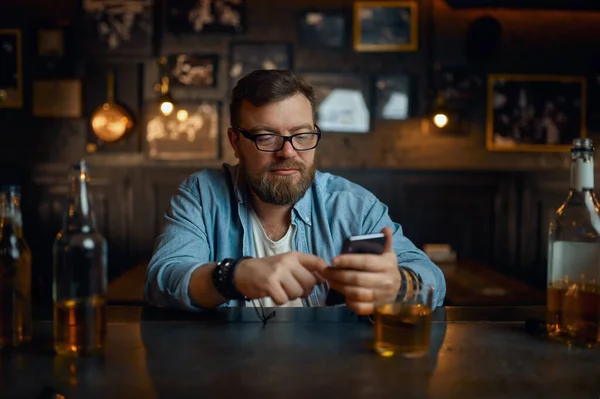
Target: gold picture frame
<point>370,38</point>
<point>11,95</point>
<point>535,113</point>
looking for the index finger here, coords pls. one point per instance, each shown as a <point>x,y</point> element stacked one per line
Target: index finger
<point>311,262</point>
<point>389,242</point>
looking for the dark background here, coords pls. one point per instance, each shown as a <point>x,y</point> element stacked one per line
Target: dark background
<point>442,186</point>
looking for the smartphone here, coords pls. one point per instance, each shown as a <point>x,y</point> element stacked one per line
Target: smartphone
<point>364,244</point>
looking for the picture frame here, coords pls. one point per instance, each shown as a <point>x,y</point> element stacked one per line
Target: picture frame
<point>394,97</point>
<point>11,68</point>
<point>535,112</point>
<point>57,98</point>
<point>386,26</point>
<point>191,70</point>
<point>246,57</point>
<point>187,17</point>
<point>55,42</point>
<point>343,101</point>
<point>174,138</point>
<point>118,28</point>
<point>323,29</point>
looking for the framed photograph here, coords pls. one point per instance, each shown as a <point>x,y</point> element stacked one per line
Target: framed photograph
<point>343,102</point>
<point>393,97</point>
<point>118,27</point>
<point>205,16</point>
<point>326,29</point>
<point>190,132</point>
<point>193,70</point>
<point>11,69</point>
<point>535,112</point>
<point>248,57</point>
<point>57,98</point>
<point>385,26</point>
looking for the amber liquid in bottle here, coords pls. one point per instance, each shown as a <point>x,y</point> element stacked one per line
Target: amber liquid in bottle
<point>15,273</point>
<point>573,297</point>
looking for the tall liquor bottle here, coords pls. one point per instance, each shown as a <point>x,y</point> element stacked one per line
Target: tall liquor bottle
<point>573,298</point>
<point>80,275</point>
<point>15,272</point>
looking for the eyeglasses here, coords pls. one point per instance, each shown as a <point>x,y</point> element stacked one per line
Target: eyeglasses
<point>261,315</point>
<point>275,142</point>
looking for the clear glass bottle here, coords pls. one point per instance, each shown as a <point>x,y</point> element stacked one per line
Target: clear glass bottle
<point>80,275</point>
<point>573,297</point>
<point>15,272</point>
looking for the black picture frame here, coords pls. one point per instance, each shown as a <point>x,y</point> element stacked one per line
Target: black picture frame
<point>535,112</point>
<point>186,17</point>
<point>118,28</point>
<point>11,68</point>
<point>193,70</point>
<point>245,57</point>
<point>386,26</point>
<point>394,96</point>
<point>174,138</point>
<point>323,29</point>
<point>343,101</point>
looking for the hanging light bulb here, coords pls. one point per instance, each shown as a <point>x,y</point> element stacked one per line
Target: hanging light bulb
<point>440,120</point>
<point>440,115</point>
<point>165,100</point>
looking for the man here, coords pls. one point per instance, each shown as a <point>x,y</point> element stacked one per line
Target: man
<point>270,229</point>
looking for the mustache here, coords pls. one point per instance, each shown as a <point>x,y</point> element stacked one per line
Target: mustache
<point>286,164</point>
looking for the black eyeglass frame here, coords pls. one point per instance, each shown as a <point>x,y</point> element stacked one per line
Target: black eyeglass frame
<point>254,137</point>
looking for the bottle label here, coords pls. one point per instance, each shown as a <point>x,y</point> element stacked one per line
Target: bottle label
<point>575,262</point>
<point>582,174</point>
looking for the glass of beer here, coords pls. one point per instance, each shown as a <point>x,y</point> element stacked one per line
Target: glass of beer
<point>403,323</point>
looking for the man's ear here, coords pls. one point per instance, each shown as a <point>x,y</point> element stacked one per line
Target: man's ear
<point>234,140</point>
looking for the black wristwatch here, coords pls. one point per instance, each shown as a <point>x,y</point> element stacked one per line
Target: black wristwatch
<point>223,278</point>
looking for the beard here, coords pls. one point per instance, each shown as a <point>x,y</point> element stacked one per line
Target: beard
<point>280,190</point>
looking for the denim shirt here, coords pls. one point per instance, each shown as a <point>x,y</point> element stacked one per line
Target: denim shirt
<point>208,221</point>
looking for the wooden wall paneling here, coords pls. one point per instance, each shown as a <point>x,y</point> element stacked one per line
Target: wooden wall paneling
<point>542,194</point>
<point>458,209</point>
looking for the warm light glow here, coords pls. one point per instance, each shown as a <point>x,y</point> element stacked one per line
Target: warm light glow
<point>182,115</point>
<point>440,120</point>
<point>166,108</point>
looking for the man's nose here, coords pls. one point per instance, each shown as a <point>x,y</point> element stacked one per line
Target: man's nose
<point>287,150</point>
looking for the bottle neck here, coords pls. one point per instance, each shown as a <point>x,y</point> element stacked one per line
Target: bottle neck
<point>10,215</point>
<point>582,175</point>
<point>79,215</point>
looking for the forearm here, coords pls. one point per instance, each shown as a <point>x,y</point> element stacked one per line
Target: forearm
<point>428,273</point>
<point>201,290</point>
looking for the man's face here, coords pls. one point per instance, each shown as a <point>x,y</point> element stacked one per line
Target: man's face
<point>281,177</point>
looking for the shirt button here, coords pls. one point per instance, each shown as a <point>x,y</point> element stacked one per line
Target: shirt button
<point>307,219</point>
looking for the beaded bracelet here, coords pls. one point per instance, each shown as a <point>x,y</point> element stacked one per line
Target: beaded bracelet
<point>223,278</point>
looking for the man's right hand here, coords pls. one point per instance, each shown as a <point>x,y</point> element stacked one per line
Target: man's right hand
<point>282,277</point>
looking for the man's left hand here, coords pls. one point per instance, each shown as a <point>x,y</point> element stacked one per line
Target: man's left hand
<point>365,278</point>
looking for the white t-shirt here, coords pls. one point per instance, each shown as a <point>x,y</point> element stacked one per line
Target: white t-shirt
<point>264,246</point>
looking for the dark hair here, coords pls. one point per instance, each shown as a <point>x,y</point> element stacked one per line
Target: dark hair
<point>267,86</point>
